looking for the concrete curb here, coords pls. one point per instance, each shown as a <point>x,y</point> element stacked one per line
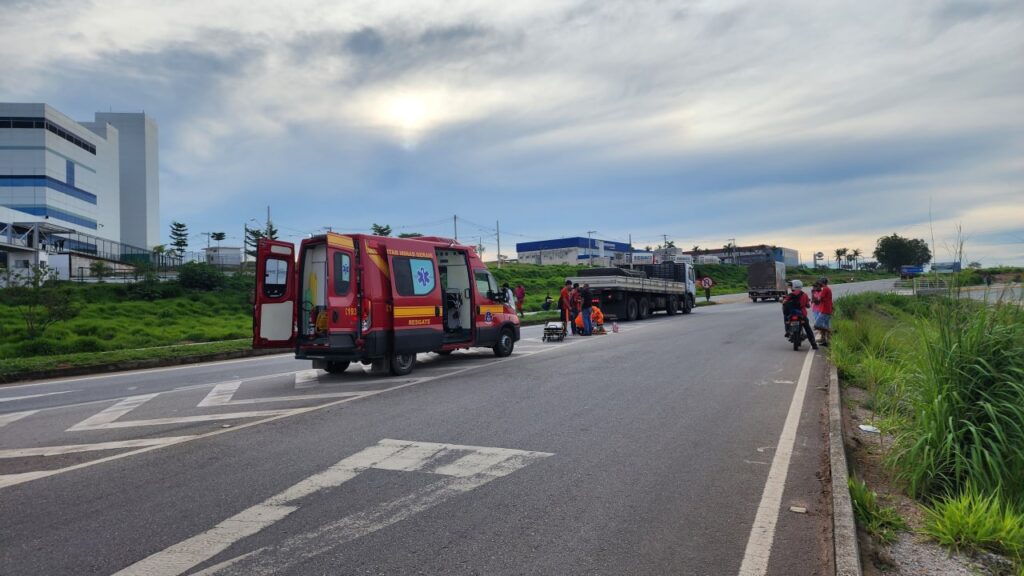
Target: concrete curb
<point>844,526</point>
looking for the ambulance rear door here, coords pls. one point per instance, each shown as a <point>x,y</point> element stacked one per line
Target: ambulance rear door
<point>416,296</point>
<point>274,311</point>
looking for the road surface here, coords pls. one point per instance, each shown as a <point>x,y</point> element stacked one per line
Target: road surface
<point>680,445</point>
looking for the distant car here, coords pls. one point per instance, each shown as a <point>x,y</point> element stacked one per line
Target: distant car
<point>908,272</point>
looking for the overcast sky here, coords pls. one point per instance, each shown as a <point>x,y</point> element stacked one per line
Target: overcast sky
<point>813,125</point>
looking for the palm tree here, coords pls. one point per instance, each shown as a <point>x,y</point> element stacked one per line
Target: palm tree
<point>696,249</point>
<point>856,255</point>
<point>850,259</point>
<point>840,253</point>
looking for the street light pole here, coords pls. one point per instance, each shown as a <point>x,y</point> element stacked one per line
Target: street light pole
<point>590,249</point>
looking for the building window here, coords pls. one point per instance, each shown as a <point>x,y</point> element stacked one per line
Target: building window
<point>43,123</point>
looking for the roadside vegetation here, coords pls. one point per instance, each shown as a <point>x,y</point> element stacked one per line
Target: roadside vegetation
<point>945,379</point>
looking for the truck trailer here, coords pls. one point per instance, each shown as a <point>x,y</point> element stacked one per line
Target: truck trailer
<point>766,281</point>
<point>626,295</point>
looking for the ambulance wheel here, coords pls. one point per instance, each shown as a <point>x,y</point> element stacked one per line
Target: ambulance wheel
<point>632,310</point>
<point>505,344</point>
<point>336,367</point>
<point>401,364</point>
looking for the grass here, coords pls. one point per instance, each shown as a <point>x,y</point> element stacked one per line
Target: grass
<point>974,522</point>
<point>947,378</point>
<point>14,368</point>
<point>882,522</point>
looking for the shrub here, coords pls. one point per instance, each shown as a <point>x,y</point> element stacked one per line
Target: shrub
<point>971,521</point>
<point>881,522</point>
<point>200,276</point>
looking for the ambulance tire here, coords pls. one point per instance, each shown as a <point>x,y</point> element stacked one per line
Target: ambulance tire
<point>402,364</point>
<point>506,342</point>
<point>336,367</point>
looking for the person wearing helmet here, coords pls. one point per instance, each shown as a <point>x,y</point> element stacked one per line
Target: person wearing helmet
<point>797,302</point>
<point>823,321</point>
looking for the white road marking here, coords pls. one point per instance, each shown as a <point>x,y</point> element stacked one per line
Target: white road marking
<point>222,395</point>
<point>11,399</point>
<point>188,553</point>
<point>74,448</point>
<point>108,418</point>
<point>762,534</point>
<point>13,479</point>
<point>6,419</point>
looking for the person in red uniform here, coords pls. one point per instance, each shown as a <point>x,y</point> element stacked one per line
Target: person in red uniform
<point>565,304</point>
<point>823,323</point>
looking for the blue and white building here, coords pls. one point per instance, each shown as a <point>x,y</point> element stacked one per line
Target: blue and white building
<point>576,250</point>
<point>66,185</point>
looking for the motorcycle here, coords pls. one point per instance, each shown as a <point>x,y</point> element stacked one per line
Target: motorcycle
<point>795,330</point>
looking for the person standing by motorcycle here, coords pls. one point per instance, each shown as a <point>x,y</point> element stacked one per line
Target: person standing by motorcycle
<point>823,321</point>
<point>797,303</point>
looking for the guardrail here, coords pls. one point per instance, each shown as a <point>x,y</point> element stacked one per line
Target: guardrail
<point>920,286</point>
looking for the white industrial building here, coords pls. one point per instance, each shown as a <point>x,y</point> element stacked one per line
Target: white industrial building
<point>67,186</point>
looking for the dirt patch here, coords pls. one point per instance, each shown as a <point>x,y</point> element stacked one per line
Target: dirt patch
<point>911,554</point>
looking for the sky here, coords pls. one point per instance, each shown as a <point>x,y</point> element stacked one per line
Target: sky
<point>813,125</point>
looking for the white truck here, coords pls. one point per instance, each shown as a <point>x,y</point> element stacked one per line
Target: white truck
<point>624,296</point>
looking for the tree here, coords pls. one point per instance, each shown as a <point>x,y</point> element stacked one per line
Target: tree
<point>39,299</point>
<point>850,259</point>
<point>856,253</point>
<point>895,251</point>
<point>270,233</point>
<point>217,237</point>
<point>252,238</point>
<point>696,249</point>
<point>410,235</point>
<point>380,229</point>
<point>100,269</point>
<point>840,253</point>
<point>974,266</point>
<point>179,237</point>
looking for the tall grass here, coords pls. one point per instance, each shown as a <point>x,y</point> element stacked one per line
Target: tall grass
<point>975,522</point>
<point>967,395</point>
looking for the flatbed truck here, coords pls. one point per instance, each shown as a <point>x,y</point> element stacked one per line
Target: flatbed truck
<point>635,298</point>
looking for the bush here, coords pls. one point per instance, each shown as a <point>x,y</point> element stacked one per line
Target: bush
<point>975,522</point>
<point>881,522</point>
<point>200,276</point>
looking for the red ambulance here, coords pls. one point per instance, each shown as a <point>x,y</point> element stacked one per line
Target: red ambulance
<point>376,300</point>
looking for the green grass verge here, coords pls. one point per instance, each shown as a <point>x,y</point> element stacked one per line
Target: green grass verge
<point>14,368</point>
<point>975,522</point>
<point>882,522</point>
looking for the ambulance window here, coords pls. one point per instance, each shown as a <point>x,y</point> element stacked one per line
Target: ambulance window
<point>342,273</point>
<point>275,278</point>
<point>485,282</point>
<point>413,276</point>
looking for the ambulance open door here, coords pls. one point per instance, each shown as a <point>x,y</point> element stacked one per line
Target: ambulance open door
<point>416,292</point>
<point>274,311</point>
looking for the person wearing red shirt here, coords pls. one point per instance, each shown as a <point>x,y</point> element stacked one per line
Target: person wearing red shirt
<point>823,323</point>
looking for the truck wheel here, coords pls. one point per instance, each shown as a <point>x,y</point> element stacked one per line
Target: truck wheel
<point>687,304</point>
<point>672,307</point>
<point>401,364</point>
<point>505,344</point>
<point>336,367</point>
<point>632,310</point>
<point>645,308</point>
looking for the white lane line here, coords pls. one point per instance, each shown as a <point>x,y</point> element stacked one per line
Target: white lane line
<point>762,534</point>
<point>108,418</point>
<point>13,398</point>
<point>387,454</point>
<point>6,419</point>
<point>75,448</point>
<point>10,480</point>
<point>222,395</point>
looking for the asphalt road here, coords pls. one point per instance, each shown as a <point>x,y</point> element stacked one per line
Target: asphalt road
<point>677,446</point>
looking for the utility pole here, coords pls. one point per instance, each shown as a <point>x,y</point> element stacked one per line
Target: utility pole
<point>590,249</point>
<point>455,220</point>
<point>497,228</point>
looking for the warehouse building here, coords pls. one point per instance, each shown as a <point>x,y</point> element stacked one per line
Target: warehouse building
<point>750,254</point>
<point>576,250</point>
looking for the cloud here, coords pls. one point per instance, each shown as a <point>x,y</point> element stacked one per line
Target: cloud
<point>706,121</point>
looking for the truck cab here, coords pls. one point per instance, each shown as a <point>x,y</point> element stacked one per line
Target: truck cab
<point>379,301</point>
